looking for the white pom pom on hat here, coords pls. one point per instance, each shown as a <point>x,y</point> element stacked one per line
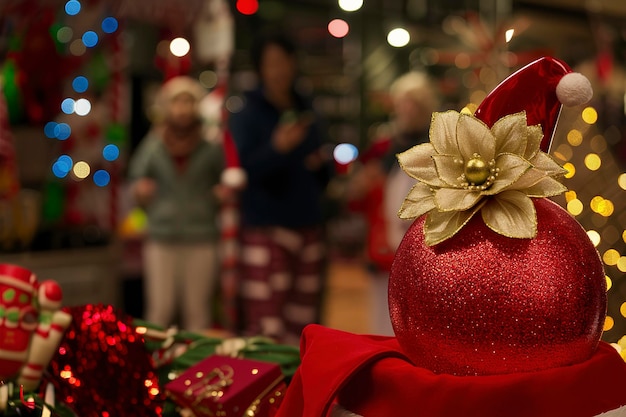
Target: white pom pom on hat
<point>574,89</point>
<point>233,175</point>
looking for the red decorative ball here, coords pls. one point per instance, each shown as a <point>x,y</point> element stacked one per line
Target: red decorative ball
<point>480,303</point>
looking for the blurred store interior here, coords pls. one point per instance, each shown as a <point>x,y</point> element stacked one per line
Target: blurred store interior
<point>70,217</point>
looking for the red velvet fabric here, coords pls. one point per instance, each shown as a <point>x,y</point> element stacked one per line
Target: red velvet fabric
<point>370,376</point>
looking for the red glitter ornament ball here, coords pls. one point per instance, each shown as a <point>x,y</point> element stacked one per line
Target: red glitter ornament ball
<point>102,367</point>
<point>481,303</point>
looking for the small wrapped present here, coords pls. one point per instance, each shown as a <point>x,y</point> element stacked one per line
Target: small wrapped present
<point>222,386</point>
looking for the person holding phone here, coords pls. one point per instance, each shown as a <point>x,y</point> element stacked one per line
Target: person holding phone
<point>280,143</point>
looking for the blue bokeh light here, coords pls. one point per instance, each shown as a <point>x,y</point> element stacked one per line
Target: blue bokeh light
<point>62,131</point>
<point>344,153</point>
<point>90,38</point>
<point>62,166</point>
<point>80,84</point>
<point>101,178</point>
<point>67,106</point>
<point>72,7</point>
<point>109,24</point>
<point>49,129</point>
<point>111,152</point>
<point>66,159</point>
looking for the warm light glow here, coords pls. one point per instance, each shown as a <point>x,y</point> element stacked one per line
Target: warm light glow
<point>574,137</point>
<point>508,35</point>
<point>338,28</point>
<point>610,257</point>
<point>462,60</point>
<point>570,195</point>
<point>81,170</point>
<point>179,47</point>
<point>621,181</point>
<point>398,37</point>
<point>598,144</point>
<point>564,152</point>
<point>208,79</point>
<point>594,237</point>
<point>593,161</point>
<point>622,309</point>
<point>608,323</point>
<point>575,207</point>
<point>77,47</point>
<point>570,168</point>
<point>609,282</point>
<point>65,34</point>
<point>350,5</point>
<point>621,263</point>
<point>590,116</point>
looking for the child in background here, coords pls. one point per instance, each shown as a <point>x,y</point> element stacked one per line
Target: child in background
<point>176,179</point>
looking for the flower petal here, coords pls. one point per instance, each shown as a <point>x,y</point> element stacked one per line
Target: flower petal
<point>443,132</point>
<point>547,187</point>
<point>528,179</point>
<point>451,199</point>
<point>512,167</point>
<point>448,170</point>
<point>534,136</point>
<point>544,162</point>
<point>473,136</point>
<point>418,201</point>
<point>512,214</point>
<point>440,226</point>
<point>510,132</point>
<point>417,163</point>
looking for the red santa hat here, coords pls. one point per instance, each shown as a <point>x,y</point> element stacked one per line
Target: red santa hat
<point>541,88</point>
<point>233,175</point>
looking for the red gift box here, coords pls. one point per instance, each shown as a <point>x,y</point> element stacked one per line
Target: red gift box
<point>223,386</point>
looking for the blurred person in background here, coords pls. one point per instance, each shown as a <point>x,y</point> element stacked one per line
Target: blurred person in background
<point>378,185</point>
<point>280,142</point>
<point>175,177</point>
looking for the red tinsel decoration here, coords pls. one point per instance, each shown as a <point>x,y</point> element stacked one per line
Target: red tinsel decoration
<point>102,367</point>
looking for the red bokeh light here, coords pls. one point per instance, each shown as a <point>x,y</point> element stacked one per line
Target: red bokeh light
<point>247,7</point>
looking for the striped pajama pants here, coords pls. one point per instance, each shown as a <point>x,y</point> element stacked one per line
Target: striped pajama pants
<point>281,283</point>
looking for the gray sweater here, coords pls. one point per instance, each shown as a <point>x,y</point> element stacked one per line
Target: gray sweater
<point>184,207</point>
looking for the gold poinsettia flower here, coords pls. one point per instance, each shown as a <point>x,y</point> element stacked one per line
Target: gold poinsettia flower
<point>468,167</point>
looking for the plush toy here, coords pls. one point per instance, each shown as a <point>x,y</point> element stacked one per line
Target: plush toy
<point>496,294</point>
<point>31,325</point>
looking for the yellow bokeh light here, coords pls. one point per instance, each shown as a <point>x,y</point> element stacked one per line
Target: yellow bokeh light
<point>606,208</point>
<point>593,161</point>
<point>621,181</point>
<point>575,207</point>
<point>570,168</point>
<point>609,282</point>
<point>81,169</point>
<point>624,236</point>
<point>590,115</point>
<point>621,263</point>
<point>563,152</point>
<point>594,237</point>
<point>574,137</point>
<point>570,195</point>
<point>611,257</point>
<point>598,144</point>
<point>595,202</point>
<point>608,323</point>
<point>622,309</point>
